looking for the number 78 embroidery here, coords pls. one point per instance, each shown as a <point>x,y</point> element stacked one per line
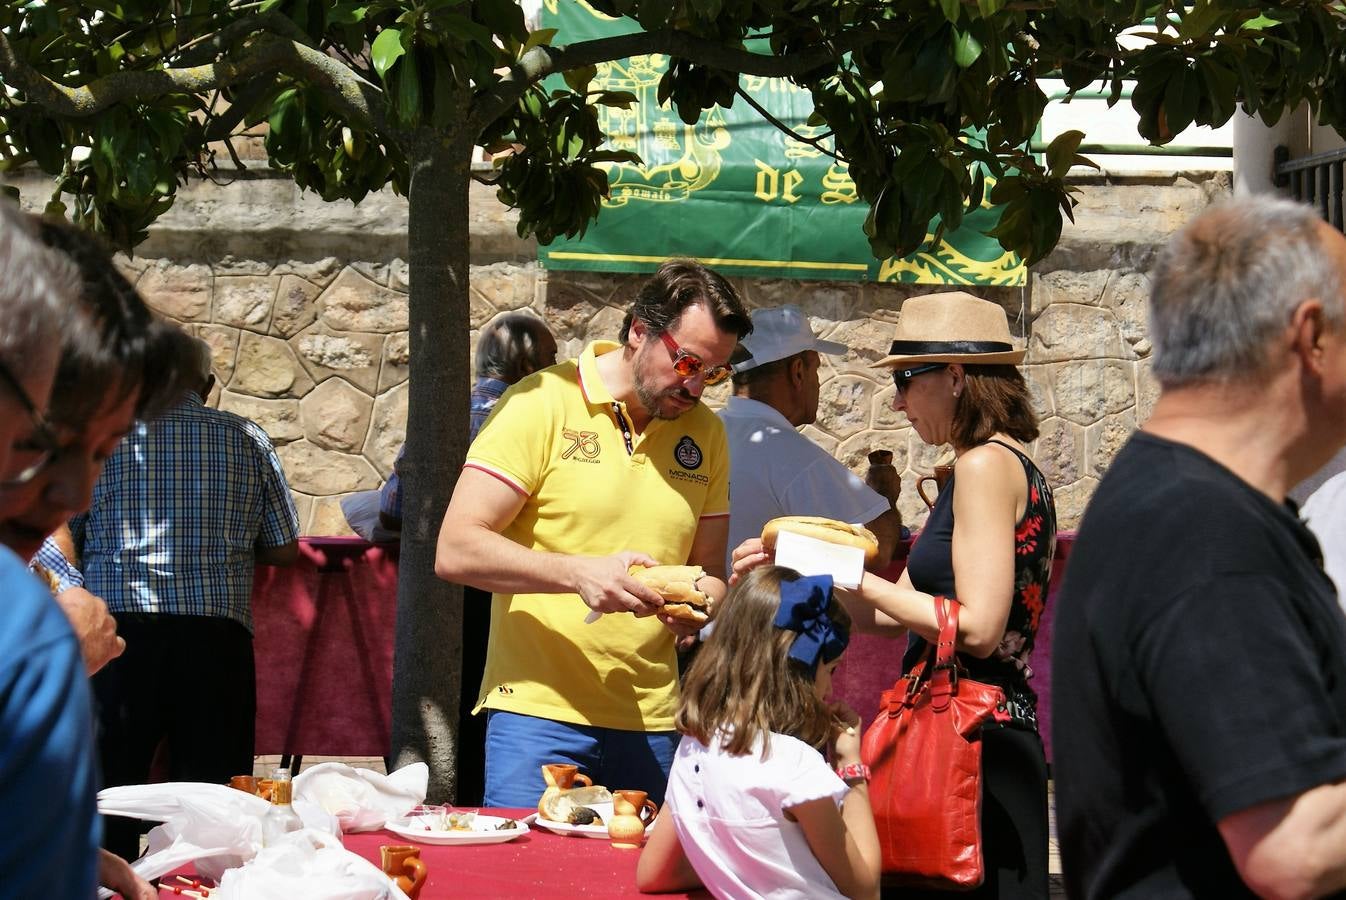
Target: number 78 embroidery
<point>586,442</point>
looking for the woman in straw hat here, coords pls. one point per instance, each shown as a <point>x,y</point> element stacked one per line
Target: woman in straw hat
<point>988,542</point>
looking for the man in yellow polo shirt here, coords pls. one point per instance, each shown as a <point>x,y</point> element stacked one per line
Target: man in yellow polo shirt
<point>583,470</point>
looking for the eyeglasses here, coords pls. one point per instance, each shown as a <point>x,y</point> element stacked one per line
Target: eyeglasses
<point>902,377</point>
<point>689,366</point>
<point>43,440</point>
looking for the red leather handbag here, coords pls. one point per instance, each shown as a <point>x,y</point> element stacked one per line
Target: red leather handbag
<point>924,755</point>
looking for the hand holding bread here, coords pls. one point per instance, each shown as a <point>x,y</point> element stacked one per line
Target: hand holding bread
<point>683,600</point>
<point>822,529</point>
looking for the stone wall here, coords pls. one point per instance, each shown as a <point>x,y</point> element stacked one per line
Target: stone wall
<point>305,305</point>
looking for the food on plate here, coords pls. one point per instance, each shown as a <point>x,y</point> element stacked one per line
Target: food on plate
<point>507,825</point>
<point>566,806</point>
<point>830,530</point>
<point>677,585</point>
<point>441,819</point>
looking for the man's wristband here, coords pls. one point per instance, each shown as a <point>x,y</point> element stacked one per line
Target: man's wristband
<point>854,773</point>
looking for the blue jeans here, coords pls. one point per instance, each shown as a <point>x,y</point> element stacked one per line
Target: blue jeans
<point>517,747</point>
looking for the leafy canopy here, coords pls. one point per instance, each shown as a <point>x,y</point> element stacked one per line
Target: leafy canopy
<point>120,101</point>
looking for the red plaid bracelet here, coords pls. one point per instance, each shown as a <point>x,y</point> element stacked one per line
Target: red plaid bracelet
<point>853,772</point>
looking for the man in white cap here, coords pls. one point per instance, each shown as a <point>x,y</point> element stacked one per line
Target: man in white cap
<point>773,469</point>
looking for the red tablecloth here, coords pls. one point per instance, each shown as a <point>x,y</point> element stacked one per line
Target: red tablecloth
<point>538,865</point>
<point>324,648</point>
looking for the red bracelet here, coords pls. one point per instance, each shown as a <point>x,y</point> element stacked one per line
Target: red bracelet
<point>853,772</point>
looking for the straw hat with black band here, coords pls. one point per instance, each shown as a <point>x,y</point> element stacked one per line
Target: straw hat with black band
<point>951,327</point>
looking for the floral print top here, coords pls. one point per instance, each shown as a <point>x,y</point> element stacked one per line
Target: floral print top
<point>931,568</point>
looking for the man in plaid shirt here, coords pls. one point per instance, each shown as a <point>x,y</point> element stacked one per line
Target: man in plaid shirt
<point>184,509</point>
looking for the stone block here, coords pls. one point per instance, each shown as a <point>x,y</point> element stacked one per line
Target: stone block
<point>1128,297</point>
<point>335,416</point>
<point>910,506</point>
<point>223,342</point>
<point>327,519</point>
<point>1071,500</point>
<point>1059,451</point>
<point>245,301</point>
<point>922,457</point>
<point>279,418</point>
<point>1147,389</point>
<point>376,272</point>
<point>885,416</point>
<point>868,340</point>
<point>1103,439</point>
<point>387,429</point>
<point>230,265</point>
<point>844,405</point>
<point>399,276</point>
<point>267,367</point>
<point>130,267</point>
<point>303,505</point>
<point>320,272</point>
<point>569,309</point>
<point>296,306</point>
<point>1066,286</point>
<point>853,453</point>
<point>505,286</point>
<point>320,472</point>
<point>1039,380</point>
<point>355,303</point>
<point>821,438</point>
<point>396,361</point>
<point>1087,390</point>
<point>354,356</point>
<point>606,325</point>
<point>180,292</point>
<point>1070,331</point>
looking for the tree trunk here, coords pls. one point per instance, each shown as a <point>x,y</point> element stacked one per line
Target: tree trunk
<point>428,650</point>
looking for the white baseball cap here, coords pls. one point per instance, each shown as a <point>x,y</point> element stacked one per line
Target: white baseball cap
<point>779,332</point>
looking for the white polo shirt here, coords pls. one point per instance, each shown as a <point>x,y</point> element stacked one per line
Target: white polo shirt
<point>776,471</point>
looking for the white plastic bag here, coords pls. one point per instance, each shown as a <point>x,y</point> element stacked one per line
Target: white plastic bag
<point>362,799</point>
<point>310,865</point>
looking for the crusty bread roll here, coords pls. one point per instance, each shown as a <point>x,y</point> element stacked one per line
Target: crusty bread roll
<point>830,530</point>
<point>677,585</point>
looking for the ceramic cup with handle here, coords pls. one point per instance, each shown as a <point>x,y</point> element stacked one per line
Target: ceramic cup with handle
<point>631,812</point>
<point>402,863</point>
<point>940,478</point>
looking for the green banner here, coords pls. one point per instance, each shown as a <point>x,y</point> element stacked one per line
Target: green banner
<point>739,193</point>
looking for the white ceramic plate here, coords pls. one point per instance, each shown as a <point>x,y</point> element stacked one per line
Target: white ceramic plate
<point>604,811</point>
<point>484,831</point>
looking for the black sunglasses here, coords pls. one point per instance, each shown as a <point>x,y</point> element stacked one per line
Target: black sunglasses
<point>43,439</point>
<point>903,377</point>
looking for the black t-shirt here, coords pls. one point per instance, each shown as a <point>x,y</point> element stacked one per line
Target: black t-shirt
<point>1198,669</point>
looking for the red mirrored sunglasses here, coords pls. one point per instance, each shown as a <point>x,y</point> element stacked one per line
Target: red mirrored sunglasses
<point>689,366</point>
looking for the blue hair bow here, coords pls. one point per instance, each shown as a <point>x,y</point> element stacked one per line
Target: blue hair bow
<point>803,609</point>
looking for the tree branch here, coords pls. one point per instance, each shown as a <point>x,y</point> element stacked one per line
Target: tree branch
<point>815,143</point>
<point>353,97</point>
<point>540,62</point>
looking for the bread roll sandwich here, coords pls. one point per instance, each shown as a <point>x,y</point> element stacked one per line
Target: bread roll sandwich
<point>819,528</point>
<point>677,585</point>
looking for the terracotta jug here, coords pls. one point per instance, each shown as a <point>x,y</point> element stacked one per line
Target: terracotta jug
<point>882,476</point>
<point>631,812</point>
<point>402,863</point>
<point>940,478</point>
<point>560,777</point>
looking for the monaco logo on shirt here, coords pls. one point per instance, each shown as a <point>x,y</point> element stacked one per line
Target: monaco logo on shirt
<point>687,453</point>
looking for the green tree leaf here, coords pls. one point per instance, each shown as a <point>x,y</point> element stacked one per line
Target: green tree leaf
<point>386,50</point>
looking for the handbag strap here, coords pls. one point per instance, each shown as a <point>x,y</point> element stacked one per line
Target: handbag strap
<point>944,678</point>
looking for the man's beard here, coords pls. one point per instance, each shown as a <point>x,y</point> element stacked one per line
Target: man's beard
<point>651,399</point>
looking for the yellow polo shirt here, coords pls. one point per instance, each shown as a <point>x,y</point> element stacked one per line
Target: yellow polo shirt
<point>560,439</point>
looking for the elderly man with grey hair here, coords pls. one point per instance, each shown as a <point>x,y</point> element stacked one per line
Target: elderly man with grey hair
<point>184,509</point>
<point>1199,668</point>
<point>47,767</point>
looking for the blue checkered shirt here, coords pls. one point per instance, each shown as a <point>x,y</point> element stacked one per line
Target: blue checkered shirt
<point>177,512</point>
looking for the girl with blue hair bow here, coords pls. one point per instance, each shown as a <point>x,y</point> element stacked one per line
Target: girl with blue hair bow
<point>754,807</point>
